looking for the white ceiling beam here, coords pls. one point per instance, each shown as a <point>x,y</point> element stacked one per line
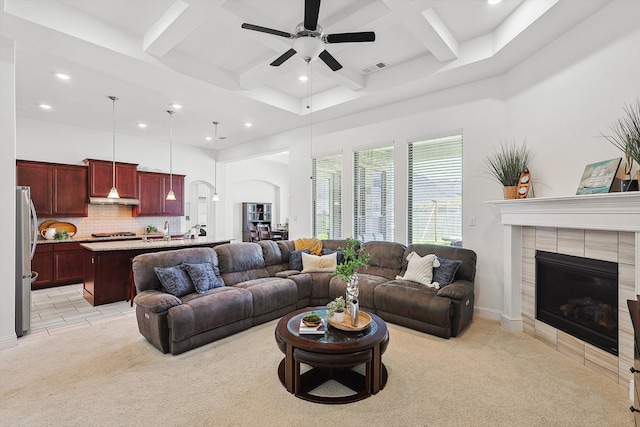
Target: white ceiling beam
<point>426,27</point>
<point>178,21</point>
<point>521,18</point>
<point>343,77</point>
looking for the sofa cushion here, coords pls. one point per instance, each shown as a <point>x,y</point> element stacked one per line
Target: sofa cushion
<point>202,276</point>
<point>446,272</point>
<point>319,264</point>
<point>366,283</point>
<point>420,269</point>
<point>386,259</point>
<point>295,259</point>
<point>340,254</point>
<point>175,280</point>
<point>240,262</point>
<point>270,294</point>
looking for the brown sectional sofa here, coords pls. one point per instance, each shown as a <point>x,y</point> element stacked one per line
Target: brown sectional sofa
<point>259,287</point>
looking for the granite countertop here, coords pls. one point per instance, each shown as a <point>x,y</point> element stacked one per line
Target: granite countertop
<point>131,245</point>
<point>79,239</point>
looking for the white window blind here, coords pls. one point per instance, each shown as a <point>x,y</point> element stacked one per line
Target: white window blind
<point>373,194</point>
<point>435,191</point>
<point>327,197</point>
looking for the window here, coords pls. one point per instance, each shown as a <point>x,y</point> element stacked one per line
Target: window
<point>373,194</point>
<point>327,197</point>
<point>435,191</point>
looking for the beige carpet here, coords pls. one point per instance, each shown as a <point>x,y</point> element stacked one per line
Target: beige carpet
<point>107,375</point>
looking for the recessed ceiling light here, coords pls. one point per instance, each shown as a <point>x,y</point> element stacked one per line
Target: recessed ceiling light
<point>492,2</point>
<point>176,106</point>
<point>248,124</point>
<point>303,78</point>
<point>142,125</point>
<point>45,106</point>
<point>63,76</point>
<point>208,138</point>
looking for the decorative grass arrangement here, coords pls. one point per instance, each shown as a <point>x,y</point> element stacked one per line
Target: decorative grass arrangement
<point>626,135</point>
<point>506,165</point>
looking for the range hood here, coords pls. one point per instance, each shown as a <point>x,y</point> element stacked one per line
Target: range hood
<point>107,201</point>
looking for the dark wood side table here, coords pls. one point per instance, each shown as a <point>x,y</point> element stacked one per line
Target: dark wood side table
<point>331,355</point>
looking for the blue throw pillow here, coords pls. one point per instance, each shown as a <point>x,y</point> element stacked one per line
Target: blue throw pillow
<point>446,272</point>
<point>175,280</point>
<point>203,276</point>
<point>330,251</point>
<point>295,259</point>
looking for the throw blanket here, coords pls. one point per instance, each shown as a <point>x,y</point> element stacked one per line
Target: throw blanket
<point>314,245</point>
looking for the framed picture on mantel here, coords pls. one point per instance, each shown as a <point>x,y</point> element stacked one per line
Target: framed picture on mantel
<point>598,177</point>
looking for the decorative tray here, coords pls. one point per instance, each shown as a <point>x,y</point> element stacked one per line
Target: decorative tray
<point>59,226</point>
<point>364,320</point>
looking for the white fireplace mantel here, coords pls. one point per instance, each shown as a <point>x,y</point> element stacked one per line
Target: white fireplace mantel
<point>609,211</point>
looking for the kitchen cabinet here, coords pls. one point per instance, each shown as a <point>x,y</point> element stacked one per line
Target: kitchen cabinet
<point>57,264</point>
<point>38,176</point>
<point>42,263</point>
<point>56,189</point>
<point>101,178</point>
<point>152,192</point>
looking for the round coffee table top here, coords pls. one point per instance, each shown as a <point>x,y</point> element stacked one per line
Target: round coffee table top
<point>333,340</point>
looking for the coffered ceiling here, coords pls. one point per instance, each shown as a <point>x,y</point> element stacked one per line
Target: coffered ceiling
<point>151,53</point>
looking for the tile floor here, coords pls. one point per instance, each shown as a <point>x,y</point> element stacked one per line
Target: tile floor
<point>63,307</point>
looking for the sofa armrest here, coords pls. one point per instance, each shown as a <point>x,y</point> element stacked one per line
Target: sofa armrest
<point>458,290</point>
<point>156,301</point>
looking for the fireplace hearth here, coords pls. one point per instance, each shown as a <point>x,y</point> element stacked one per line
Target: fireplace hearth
<point>579,296</point>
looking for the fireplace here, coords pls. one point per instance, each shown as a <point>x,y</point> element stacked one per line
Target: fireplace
<point>579,296</point>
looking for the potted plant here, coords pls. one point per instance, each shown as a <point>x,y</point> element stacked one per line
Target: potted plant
<point>506,165</point>
<point>354,257</point>
<point>626,137</point>
<point>335,309</point>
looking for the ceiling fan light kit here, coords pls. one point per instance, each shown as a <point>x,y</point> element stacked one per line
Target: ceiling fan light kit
<point>309,38</point>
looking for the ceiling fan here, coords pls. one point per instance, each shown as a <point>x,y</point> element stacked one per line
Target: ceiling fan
<point>309,39</point>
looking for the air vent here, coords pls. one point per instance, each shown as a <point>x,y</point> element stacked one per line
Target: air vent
<point>374,67</point>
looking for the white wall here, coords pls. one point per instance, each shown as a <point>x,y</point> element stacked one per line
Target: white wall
<point>7,193</point>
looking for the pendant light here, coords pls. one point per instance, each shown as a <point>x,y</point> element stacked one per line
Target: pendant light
<point>170,195</point>
<point>215,197</point>
<point>113,194</point>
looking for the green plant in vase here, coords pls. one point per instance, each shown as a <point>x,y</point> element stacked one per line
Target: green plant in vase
<point>506,165</point>
<point>336,308</point>
<point>354,257</point>
<point>626,136</point>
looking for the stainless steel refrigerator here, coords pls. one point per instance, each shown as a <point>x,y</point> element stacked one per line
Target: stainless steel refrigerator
<point>26,238</point>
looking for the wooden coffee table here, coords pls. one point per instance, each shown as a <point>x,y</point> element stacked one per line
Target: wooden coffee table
<point>331,355</point>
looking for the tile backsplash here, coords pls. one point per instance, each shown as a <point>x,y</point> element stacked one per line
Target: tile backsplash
<point>118,218</point>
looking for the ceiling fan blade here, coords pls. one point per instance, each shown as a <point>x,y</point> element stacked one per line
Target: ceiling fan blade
<point>366,36</point>
<point>267,30</point>
<point>311,12</point>
<point>288,54</point>
<point>330,60</point>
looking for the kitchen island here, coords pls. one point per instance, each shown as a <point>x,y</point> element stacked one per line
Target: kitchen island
<point>107,265</point>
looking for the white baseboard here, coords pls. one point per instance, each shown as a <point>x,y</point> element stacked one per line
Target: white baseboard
<point>487,313</point>
<point>8,342</point>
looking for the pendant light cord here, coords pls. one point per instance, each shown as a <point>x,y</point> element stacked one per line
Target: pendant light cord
<point>113,115</point>
<point>170,151</point>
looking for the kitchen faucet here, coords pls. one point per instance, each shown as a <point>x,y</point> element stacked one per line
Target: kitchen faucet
<point>167,234</point>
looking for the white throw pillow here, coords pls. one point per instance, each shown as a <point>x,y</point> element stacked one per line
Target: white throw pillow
<point>420,269</point>
<point>319,264</point>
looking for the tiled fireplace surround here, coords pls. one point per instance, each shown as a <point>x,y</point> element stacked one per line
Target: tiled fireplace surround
<point>599,226</point>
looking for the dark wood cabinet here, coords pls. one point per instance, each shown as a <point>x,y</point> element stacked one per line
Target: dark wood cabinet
<point>38,176</point>
<point>42,263</point>
<point>254,214</point>
<point>70,190</point>
<point>101,178</point>
<point>67,263</point>
<point>57,264</point>
<point>152,192</point>
<point>56,189</point>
